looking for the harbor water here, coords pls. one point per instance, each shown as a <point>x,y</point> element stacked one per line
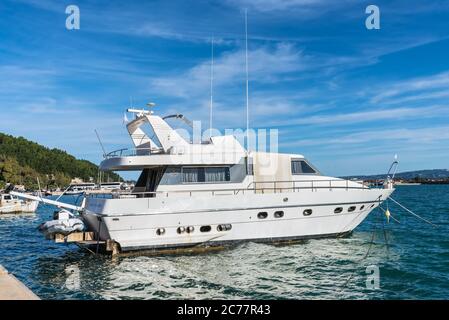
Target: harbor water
<point>411,258</point>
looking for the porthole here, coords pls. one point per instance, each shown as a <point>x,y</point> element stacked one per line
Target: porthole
<point>372,205</point>
<point>362,207</point>
<point>160,231</point>
<point>205,228</point>
<point>338,210</point>
<point>190,229</point>
<point>279,214</point>
<point>307,212</point>
<point>262,215</point>
<point>351,208</point>
<point>180,230</point>
<point>224,227</point>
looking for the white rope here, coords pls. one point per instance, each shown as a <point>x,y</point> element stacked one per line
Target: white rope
<point>414,214</point>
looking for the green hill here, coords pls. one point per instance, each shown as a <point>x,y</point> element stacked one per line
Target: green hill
<point>22,161</point>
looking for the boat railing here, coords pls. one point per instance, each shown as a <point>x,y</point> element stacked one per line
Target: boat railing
<point>253,187</point>
<point>127,152</point>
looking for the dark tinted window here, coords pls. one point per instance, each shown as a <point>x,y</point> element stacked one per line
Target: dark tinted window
<point>301,167</point>
<point>205,174</point>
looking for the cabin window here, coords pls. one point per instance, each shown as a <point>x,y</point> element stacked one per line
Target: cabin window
<point>351,208</point>
<point>362,207</point>
<point>338,210</point>
<point>224,227</point>
<point>262,215</point>
<point>205,174</point>
<point>307,212</point>
<point>302,167</point>
<point>192,175</point>
<point>215,174</point>
<point>205,228</point>
<point>7,197</point>
<point>279,214</point>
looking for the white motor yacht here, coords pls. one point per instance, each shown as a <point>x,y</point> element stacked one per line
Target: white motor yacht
<point>217,192</point>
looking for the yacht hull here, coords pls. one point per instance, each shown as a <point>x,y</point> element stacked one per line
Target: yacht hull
<point>162,222</point>
<point>19,207</point>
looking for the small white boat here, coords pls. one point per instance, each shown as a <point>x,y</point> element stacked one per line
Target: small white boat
<point>11,204</point>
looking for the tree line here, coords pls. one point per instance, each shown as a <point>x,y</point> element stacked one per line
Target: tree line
<point>23,161</point>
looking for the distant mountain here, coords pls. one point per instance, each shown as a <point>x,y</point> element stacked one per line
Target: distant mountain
<point>22,161</point>
<point>410,175</point>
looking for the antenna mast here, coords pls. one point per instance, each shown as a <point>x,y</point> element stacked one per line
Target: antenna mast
<point>246,67</point>
<point>211,86</point>
<point>101,144</point>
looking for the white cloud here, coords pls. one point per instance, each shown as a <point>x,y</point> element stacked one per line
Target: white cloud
<point>344,119</point>
<point>270,5</point>
<point>412,136</point>
<point>265,65</point>
<point>432,82</point>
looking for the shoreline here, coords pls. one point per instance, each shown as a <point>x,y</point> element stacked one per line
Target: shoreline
<point>14,289</point>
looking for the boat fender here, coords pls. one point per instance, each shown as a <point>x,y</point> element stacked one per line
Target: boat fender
<point>387,214</point>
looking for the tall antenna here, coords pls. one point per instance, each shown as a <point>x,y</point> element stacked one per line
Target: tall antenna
<point>211,86</point>
<point>101,144</point>
<point>247,89</point>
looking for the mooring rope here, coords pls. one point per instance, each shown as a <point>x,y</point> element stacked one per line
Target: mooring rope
<point>364,257</point>
<point>414,214</point>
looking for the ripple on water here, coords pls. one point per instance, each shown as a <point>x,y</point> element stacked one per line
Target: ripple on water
<point>412,266</point>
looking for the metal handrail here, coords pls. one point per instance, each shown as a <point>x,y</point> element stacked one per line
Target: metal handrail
<point>254,183</point>
<point>133,152</point>
<point>275,188</point>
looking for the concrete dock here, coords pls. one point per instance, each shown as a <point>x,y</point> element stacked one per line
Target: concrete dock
<point>13,289</point>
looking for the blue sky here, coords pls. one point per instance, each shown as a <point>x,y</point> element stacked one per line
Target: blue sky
<point>346,97</point>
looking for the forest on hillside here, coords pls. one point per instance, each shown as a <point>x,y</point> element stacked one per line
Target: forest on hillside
<point>23,161</point>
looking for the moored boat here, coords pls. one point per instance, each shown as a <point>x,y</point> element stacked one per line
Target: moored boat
<point>12,204</point>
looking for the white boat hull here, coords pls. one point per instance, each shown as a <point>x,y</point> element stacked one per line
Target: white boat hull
<point>19,206</point>
<point>133,223</point>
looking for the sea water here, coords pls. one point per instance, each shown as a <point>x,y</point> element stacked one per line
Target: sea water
<point>380,260</point>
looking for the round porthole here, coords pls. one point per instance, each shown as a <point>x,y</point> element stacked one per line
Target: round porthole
<point>279,214</point>
<point>307,212</point>
<point>262,215</point>
<point>190,229</point>
<point>224,227</point>
<point>160,231</point>
<point>338,210</point>
<point>181,230</point>
<point>205,228</point>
